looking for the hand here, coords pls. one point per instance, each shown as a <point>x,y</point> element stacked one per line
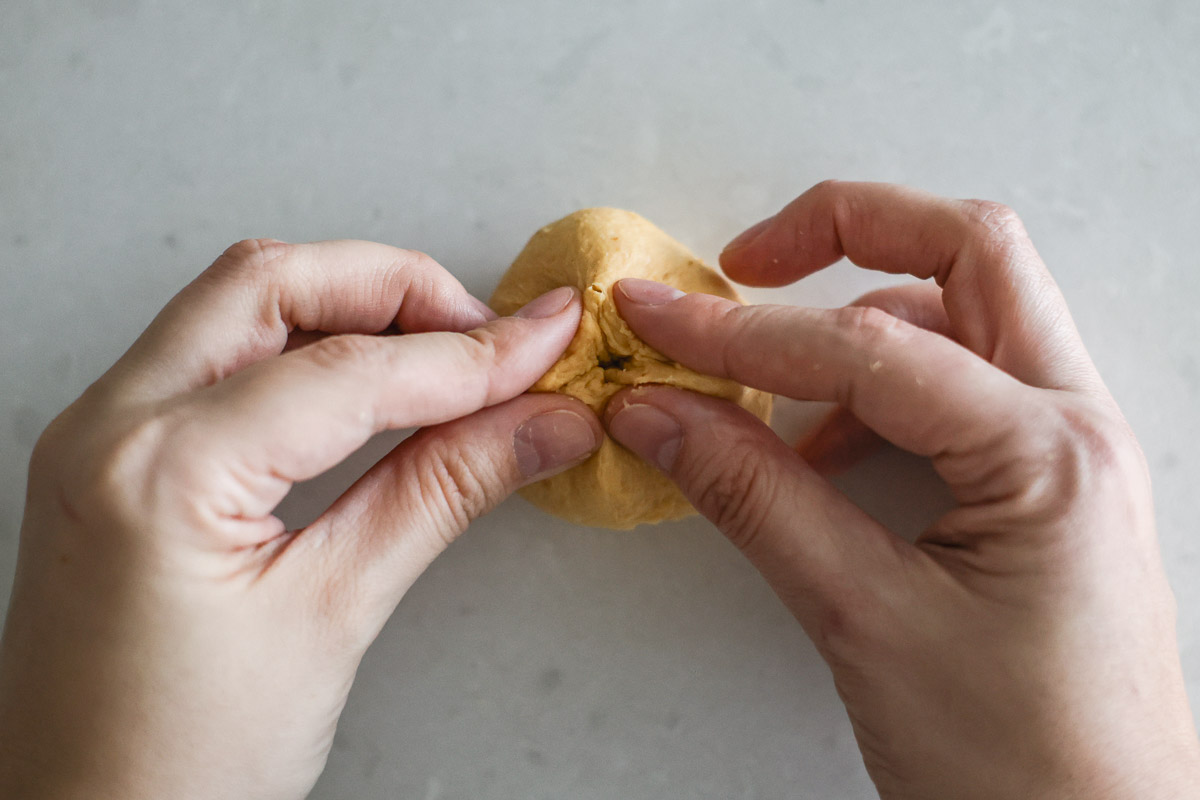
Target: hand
<point>1024,646</point>
<point>167,637</point>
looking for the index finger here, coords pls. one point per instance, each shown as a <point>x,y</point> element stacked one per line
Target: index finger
<point>242,308</point>
<point>290,418</point>
<point>917,389</point>
<point>1000,299</point>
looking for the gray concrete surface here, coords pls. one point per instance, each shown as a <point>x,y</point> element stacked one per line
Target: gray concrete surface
<point>538,660</point>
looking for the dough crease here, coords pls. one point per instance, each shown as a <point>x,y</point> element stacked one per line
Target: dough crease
<point>592,249</point>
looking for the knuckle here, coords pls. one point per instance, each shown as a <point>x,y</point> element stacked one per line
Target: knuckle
<point>458,484</point>
<point>252,256</point>
<point>482,346</point>
<point>333,352</point>
<point>255,252</point>
<point>866,326</point>
<point>992,214</point>
<point>122,471</point>
<point>739,334</point>
<point>865,339</point>
<point>845,208</point>
<point>417,261</point>
<point>423,284</point>
<point>417,270</point>
<point>994,224</point>
<point>1091,465</point>
<point>734,488</point>
<point>482,352</point>
<point>53,445</point>
<point>826,187</point>
<point>1102,444</point>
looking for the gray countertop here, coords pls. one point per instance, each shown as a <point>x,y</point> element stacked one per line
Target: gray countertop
<point>536,659</point>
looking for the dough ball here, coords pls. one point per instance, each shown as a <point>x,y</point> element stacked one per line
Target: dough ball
<point>593,249</point>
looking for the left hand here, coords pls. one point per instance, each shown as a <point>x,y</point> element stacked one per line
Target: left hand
<point>167,636</point>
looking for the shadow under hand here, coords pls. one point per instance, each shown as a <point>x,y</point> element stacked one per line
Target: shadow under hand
<point>308,500</point>
<point>900,490</point>
<point>544,654</point>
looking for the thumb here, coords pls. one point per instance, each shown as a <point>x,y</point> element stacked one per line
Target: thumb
<point>817,549</point>
<point>379,536</point>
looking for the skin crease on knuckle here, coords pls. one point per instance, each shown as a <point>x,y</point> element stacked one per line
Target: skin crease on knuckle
<point>1032,496</point>
<point>870,331</point>
<point>248,270</point>
<point>485,352</point>
<point>735,488</point>
<point>367,355</point>
<point>456,482</point>
<point>423,284</point>
<point>250,257</point>
<point>994,463</point>
<point>746,326</point>
<point>1104,462</point>
<point>867,328</point>
<point>154,461</point>
<point>997,239</point>
<point>996,222</point>
<point>166,466</point>
<point>335,352</point>
<point>842,210</point>
<point>248,266</point>
<point>1083,455</point>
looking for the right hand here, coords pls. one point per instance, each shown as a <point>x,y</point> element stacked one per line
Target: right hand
<point>1024,646</point>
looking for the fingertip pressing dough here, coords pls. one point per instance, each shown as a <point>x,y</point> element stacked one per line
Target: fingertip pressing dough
<point>592,249</point>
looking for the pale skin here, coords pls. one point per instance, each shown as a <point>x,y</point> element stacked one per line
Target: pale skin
<point>168,637</point>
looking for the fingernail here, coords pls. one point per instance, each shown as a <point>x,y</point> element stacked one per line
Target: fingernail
<point>651,433</point>
<point>551,441</point>
<point>547,305</point>
<point>647,293</point>
<point>749,235</point>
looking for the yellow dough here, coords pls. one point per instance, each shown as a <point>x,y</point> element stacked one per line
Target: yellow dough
<point>591,250</point>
